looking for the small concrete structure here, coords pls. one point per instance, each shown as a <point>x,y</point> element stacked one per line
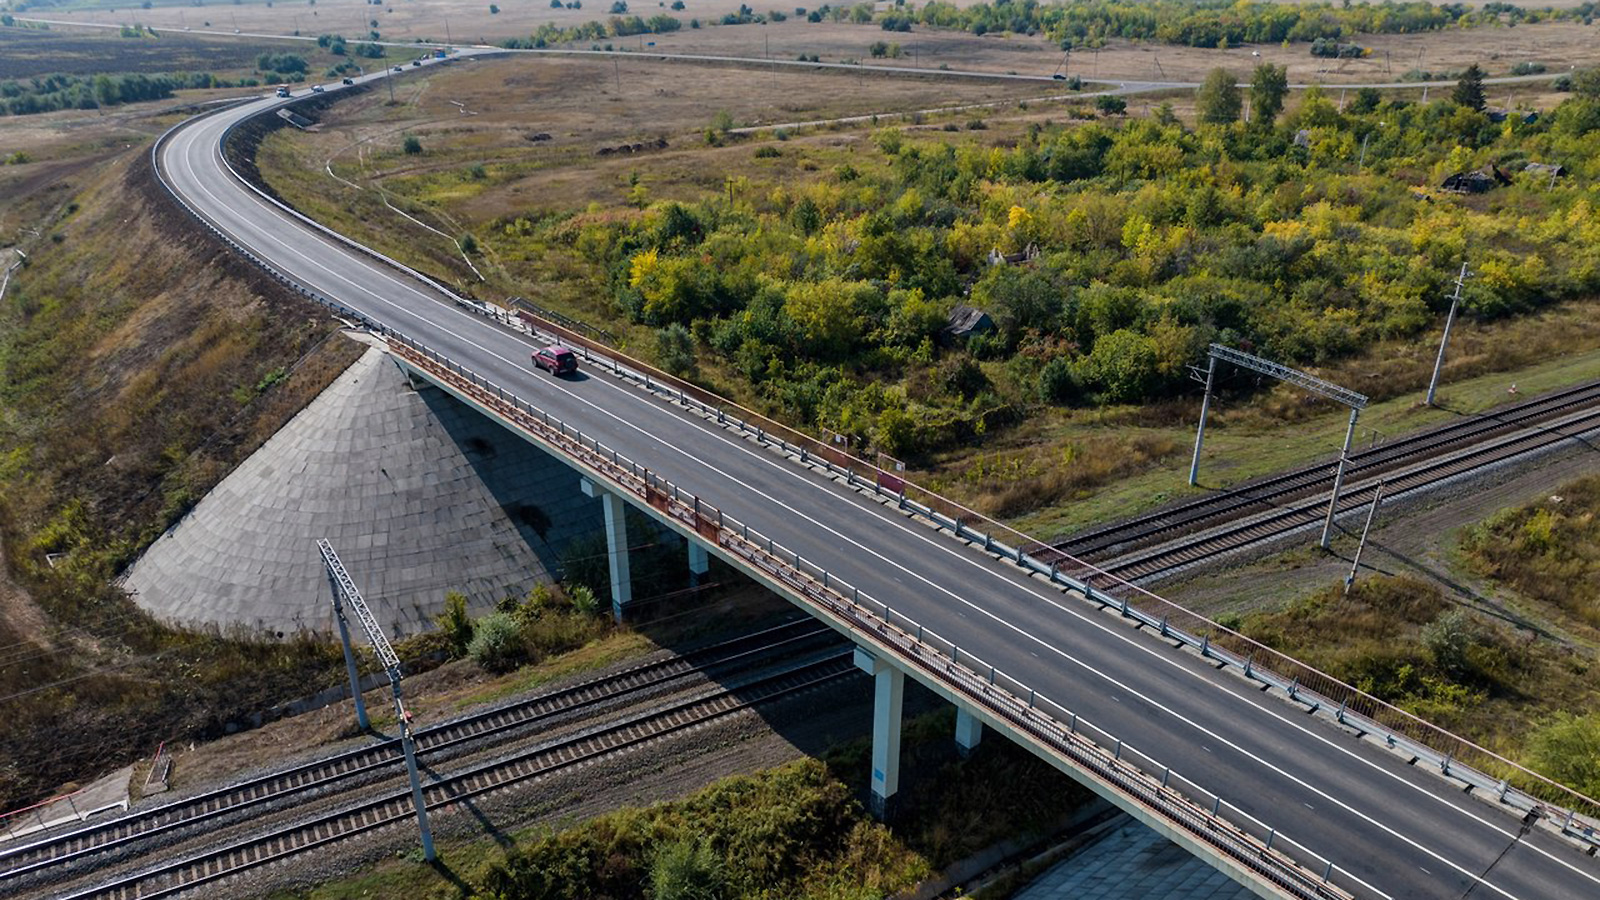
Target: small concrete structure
<point>616,513</point>
<point>969,731</point>
<point>418,493</point>
<point>100,797</point>
<point>888,700</point>
<point>699,562</point>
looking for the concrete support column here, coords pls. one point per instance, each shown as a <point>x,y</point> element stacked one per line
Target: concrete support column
<point>969,731</point>
<point>888,691</point>
<point>616,545</point>
<point>699,562</point>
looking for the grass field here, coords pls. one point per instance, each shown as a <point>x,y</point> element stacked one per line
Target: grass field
<point>1557,45</point>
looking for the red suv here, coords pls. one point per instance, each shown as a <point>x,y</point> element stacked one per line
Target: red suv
<point>558,360</point>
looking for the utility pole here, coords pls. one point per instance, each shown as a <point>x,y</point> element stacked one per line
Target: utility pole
<point>1200,433</point>
<point>1372,512</point>
<point>1338,478</point>
<point>1449,321</point>
<point>344,586</point>
<point>616,69</point>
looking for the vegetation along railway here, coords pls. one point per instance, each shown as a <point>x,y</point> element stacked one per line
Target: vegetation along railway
<point>74,853</point>
<point>1164,541</point>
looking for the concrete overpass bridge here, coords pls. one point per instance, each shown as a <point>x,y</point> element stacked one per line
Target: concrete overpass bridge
<point>1290,783</point>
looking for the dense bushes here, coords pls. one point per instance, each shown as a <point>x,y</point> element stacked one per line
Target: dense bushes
<point>523,630</point>
<point>769,834</point>
<point>1211,23</point>
<point>48,93</point>
<point>828,299</point>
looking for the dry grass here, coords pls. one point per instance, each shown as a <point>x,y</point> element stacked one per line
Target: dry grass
<point>1547,551</point>
<point>1011,483</point>
<point>1493,685</point>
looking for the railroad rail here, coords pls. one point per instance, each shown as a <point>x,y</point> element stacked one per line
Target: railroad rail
<point>283,843</point>
<point>61,849</point>
<point>1121,538</point>
<point>1306,513</point>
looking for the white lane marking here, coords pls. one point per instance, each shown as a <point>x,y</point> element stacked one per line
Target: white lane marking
<point>788,469</point>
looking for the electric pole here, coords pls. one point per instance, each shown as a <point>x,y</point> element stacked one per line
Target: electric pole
<point>1449,321</point>
<point>344,587</point>
<point>1372,512</point>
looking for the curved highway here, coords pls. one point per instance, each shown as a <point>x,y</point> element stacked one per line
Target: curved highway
<point>1391,830</point>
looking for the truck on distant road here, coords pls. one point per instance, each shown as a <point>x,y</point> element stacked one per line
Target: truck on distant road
<point>283,90</point>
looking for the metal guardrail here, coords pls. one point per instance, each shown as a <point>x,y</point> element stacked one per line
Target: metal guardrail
<point>916,647</point>
<point>1453,755</point>
<point>1450,754</point>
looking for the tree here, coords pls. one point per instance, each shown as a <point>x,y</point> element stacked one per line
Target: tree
<point>1057,382</point>
<point>1111,106</point>
<point>675,349</point>
<point>1268,86</point>
<point>1586,82</point>
<point>1218,102</point>
<point>1367,100</point>
<point>1469,90</point>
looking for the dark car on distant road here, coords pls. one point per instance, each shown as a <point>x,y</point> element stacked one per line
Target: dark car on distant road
<point>348,81</point>
<point>557,360</point>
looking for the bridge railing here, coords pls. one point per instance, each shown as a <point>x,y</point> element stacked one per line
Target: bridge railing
<point>1578,815</point>
<point>1110,761</point>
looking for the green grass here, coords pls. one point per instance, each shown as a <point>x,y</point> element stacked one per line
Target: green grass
<point>1249,449</point>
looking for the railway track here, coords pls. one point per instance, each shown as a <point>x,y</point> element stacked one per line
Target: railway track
<point>1124,538</point>
<point>61,849</point>
<point>1309,512</point>
<point>612,738</point>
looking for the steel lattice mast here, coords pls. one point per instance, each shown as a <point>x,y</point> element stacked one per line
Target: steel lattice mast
<point>1356,402</point>
<point>345,593</point>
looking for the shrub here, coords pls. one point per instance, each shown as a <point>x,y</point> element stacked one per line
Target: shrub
<point>1057,382</point>
<point>456,624</point>
<point>1567,749</point>
<point>768,152</point>
<point>583,599</point>
<point>497,643</point>
<point>411,145</point>
<point>675,349</point>
<point>686,870</point>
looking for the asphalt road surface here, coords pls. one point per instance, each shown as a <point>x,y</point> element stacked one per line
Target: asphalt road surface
<point>1391,831</point>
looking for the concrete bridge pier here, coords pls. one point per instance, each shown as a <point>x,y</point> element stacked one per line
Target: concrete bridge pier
<point>616,545</point>
<point>969,731</point>
<point>699,562</point>
<point>888,690</point>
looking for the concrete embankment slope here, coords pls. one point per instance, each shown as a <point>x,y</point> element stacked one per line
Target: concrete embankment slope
<point>419,495</point>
